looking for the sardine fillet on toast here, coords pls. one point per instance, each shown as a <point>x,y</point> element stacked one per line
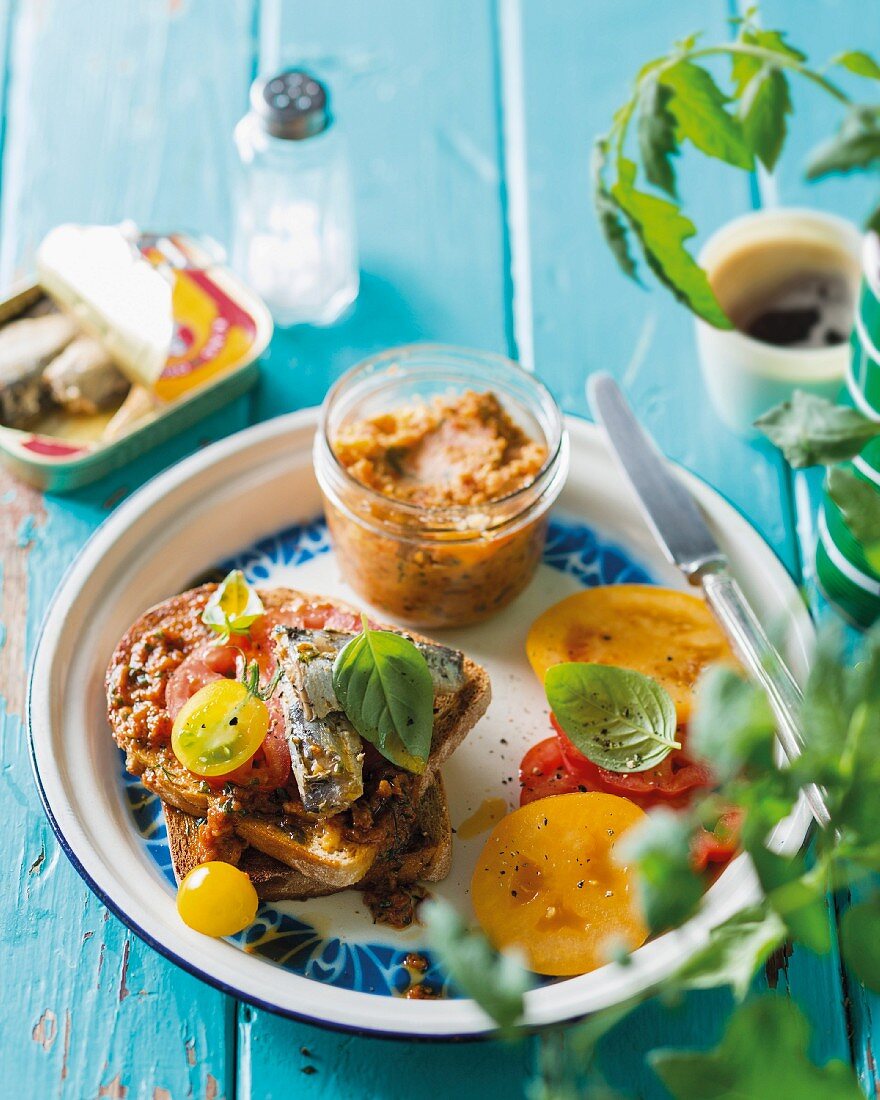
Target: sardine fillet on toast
<point>398,827</point>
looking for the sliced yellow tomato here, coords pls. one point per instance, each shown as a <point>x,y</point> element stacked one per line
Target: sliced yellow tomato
<point>217,899</point>
<point>219,728</point>
<point>663,633</point>
<point>548,882</point>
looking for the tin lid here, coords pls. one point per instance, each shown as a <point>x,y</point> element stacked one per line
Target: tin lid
<point>292,105</point>
<point>96,274</point>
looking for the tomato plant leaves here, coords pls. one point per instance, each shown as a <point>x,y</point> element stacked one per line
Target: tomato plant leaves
<point>811,431</point>
<point>613,227</point>
<point>858,62</point>
<point>656,134</point>
<point>384,686</point>
<point>233,607</point>
<point>700,111</point>
<point>662,230</point>
<point>855,146</point>
<point>762,110</point>
<point>619,719</point>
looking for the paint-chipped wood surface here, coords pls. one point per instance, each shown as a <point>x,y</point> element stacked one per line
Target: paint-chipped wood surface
<point>469,124</point>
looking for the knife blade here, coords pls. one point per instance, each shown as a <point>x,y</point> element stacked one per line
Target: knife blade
<point>683,535</point>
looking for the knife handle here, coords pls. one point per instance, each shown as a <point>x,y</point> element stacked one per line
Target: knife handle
<point>762,660</point>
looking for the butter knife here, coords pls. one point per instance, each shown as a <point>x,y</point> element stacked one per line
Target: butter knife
<point>686,541</point>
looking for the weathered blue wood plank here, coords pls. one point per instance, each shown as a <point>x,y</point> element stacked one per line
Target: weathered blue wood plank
<point>832,26</point>
<point>113,111</point>
<point>414,86</point>
<point>586,316</point>
<point>414,89</point>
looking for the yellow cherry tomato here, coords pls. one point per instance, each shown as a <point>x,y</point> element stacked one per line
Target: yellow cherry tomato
<point>548,882</point>
<point>668,635</point>
<point>217,899</point>
<point>219,728</point>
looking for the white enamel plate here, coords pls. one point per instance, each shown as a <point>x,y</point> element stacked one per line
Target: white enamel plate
<point>252,499</point>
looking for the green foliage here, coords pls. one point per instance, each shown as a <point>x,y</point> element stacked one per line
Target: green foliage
<point>619,719</point>
<point>734,952</point>
<point>855,146</point>
<point>859,502</point>
<point>677,99</point>
<point>669,888</point>
<point>811,431</point>
<point>860,942</point>
<point>662,229</point>
<point>385,688</point>
<point>497,981</point>
<point>762,1056</point>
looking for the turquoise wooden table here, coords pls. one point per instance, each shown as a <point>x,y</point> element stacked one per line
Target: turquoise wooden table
<point>470,123</point>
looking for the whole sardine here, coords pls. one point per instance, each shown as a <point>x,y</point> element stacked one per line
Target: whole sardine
<point>84,379</point>
<point>26,347</point>
<point>326,751</point>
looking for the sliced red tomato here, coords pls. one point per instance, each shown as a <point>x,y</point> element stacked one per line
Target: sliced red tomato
<point>205,664</point>
<point>544,771</point>
<point>719,845</point>
<point>671,783</point>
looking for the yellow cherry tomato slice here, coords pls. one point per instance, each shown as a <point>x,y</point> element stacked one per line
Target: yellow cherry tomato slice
<point>548,883</point>
<point>219,728</point>
<point>217,899</point>
<point>668,635</point>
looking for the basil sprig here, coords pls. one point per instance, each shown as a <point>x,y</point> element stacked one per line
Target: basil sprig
<point>678,99</point>
<point>233,608</point>
<point>619,719</point>
<point>384,686</point>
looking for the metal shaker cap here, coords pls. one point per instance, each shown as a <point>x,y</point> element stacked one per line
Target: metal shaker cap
<point>292,105</point>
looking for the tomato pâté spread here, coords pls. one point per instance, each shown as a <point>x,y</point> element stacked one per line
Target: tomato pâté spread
<point>453,458</point>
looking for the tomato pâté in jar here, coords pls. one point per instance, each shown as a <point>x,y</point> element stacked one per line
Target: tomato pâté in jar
<point>438,467</point>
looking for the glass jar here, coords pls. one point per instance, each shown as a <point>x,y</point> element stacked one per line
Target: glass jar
<point>449,565</point>
<point>294,238</point>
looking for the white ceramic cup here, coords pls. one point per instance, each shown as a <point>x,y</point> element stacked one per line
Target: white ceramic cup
<point>745,377</point>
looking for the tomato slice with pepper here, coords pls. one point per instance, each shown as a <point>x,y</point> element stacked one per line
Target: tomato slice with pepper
<point>545,771</point>
<point>672,783</point>
<point>718,845</point>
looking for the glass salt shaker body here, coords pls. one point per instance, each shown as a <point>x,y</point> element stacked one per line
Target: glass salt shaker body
<point>295,240</point>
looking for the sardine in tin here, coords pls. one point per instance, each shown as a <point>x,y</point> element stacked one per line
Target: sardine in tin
<point>220,329</point>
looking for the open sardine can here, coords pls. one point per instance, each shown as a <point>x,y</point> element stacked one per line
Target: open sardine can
<point>119,342</point>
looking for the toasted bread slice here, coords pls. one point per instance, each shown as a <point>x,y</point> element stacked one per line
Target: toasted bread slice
<point>427,857</point>
<point>323,851</point>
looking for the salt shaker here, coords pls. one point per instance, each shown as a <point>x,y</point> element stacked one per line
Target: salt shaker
<point>295,240</point>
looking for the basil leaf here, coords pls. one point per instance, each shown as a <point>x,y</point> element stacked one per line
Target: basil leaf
<point>858,62</point>
<point>662,230</point>
<point>811,431</point>
<point>384,686</point>
<point>619,719</point>
<point>856,145</point>
<point>497,981</point>
<point>233,607</point>
<point>732,727</point>
<point>656,134</point>
<point>700,110</point>
<point>859,501</point>
<point>734,952</point>
<point>611,223</point>
<point>860,942</point>
<point>763,1055</point>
